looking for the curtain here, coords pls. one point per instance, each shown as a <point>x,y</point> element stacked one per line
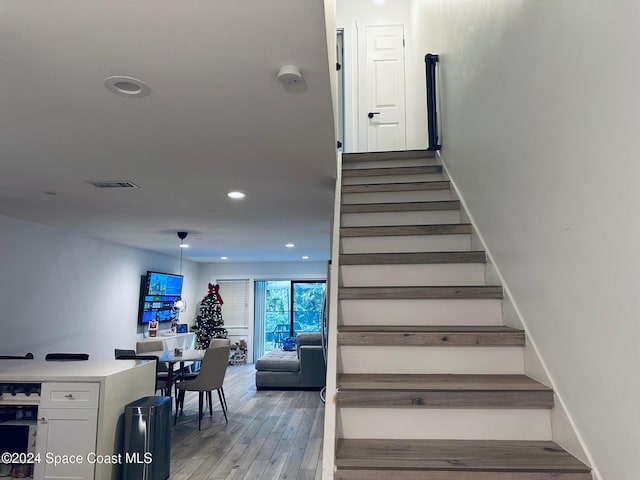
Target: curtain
<point>258,324</point>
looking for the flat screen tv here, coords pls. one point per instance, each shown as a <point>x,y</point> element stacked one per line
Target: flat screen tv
<point>164,284</point>
<point>158,293</point>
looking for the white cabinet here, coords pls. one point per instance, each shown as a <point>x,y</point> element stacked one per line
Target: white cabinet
<point>69,395</point>
<point>79,410</point>
<point>65,438</point>
<point>67,430</point>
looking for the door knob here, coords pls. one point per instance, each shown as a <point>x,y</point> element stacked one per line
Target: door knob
<point>371,114</point>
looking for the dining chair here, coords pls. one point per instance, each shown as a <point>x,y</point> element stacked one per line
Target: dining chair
<point>162,378</point>
<point>210,377</point>
<point>214,342</point>
<point>118,352</point>
<point>63,357</point>
<point>27,356</point>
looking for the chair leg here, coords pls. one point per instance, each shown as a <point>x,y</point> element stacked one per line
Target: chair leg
<point>224,399</point>
<point>175,417</point>
<point>200,401</point>
<point>210,403</point>
<point>224,409</point>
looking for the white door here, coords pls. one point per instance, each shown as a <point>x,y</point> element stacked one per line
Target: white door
<point>384,104</point>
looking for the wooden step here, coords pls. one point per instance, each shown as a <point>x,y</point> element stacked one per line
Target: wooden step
<point>380,459</point>
<point>400,207</point>
<point>375,172</point>
<point>412,258</point>
<point>428,335</point>
<point>421,293</point>
<point>397,230</point>
<point>394,155</point>
<point>396,187</point>
<point>442,391</point>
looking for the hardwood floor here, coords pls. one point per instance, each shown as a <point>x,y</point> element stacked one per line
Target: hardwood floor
<point>271,434</point>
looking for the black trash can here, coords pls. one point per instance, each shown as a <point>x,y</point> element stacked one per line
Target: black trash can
<point>147,439</point>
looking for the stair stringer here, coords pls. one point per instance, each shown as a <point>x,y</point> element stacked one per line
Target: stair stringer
<point>330,419</point>
<point>564,429</point>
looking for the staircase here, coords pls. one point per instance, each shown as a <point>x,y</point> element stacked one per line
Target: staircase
<point>430,383</point>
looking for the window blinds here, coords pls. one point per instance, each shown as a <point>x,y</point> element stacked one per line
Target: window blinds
<point>235,310</point>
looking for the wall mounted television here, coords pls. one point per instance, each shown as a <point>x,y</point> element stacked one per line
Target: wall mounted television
<point>158,292</point>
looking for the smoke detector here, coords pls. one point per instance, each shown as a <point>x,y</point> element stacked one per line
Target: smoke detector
<point>289,75</point>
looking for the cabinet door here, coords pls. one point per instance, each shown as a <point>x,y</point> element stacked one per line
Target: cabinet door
<point>67,435</point>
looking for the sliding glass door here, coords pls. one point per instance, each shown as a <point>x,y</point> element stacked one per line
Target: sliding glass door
<point>284,308</point>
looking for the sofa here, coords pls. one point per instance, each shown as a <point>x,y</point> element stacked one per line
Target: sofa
<point>303,368</point>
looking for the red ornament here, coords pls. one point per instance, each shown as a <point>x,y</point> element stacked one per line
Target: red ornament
<point>215,289</point>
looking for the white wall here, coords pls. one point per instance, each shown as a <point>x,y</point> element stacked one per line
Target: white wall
<point>352,15</point>
<point>68,293</point>
<point>540,110</point>
<point>261,270</point>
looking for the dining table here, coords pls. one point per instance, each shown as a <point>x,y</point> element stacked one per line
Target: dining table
<point>171,357</point>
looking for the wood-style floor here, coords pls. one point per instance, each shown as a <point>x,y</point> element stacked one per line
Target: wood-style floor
<point>271,434</point>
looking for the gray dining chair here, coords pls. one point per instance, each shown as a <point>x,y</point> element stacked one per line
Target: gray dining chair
<point>26,356</point>
<point>210,377</point>
<point>162,377</point>
<point>65,357</point>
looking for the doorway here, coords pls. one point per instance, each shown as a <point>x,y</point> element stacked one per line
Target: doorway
<point>382,109</point>
<point>283,308</point>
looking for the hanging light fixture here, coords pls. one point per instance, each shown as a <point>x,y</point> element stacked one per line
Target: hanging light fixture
<point>181,304</point>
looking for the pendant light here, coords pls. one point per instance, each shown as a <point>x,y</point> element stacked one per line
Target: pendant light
<point>181,304</point>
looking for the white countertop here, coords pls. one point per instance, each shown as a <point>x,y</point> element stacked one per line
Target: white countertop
<point>74,371</point>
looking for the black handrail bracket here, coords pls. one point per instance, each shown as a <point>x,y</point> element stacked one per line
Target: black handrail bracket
<point>432,112</point>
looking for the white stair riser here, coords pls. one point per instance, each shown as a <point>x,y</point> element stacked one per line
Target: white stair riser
<point>406,243</point>
<point>420,312</point>
<point>372,219</point>
<point>450,424</point>
<point>434,359</point>
<point>412,275</point>
<point>402,196</point>
<point>410,162</point>
<point>376,179</point>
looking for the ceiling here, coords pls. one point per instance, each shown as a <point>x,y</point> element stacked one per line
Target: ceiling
<point>216,120</point>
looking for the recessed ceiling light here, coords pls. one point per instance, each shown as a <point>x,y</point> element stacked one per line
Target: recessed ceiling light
<point>290,245</point>
<point>236,195</point>
<point>224,258</point>
<point>127,86</point>
<point>305,257</point>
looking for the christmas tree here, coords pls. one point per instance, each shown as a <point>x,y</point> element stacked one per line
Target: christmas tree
<point>209,323</point>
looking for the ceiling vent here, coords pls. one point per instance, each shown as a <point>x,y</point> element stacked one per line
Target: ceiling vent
<point>114,184</point>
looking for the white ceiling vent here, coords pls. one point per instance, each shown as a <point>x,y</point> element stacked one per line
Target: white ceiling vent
<point>114,184</point>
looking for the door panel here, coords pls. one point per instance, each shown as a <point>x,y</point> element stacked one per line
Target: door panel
<point>385,88</point>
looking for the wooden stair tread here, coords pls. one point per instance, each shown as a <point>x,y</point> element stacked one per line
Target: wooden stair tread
<point>438,382</point>
<point>397,230</point>
<point>421,335</point>
<point>417,293</point>
<point>394,155</point>
<point>374,172</point>
<point>400,206</point>
<point>456,455</point>
<point>397,187</point>
<point>412,258</point>
<point>429,328</point>
<point>441,391</point>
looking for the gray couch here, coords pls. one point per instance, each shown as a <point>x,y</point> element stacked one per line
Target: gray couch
<point>303,368</point>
